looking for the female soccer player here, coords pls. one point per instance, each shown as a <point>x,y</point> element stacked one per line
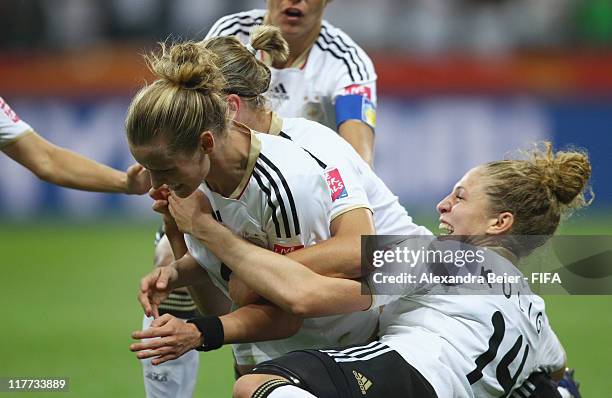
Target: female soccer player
<point>60,166</point>
<point>326,78</point>
<point>247,79</point>
<point>431,345</point>
<point>265,188</point>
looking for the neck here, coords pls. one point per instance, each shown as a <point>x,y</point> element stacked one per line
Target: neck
<point>298,44</point>
<point>229,161</point>
<point>260,121</point>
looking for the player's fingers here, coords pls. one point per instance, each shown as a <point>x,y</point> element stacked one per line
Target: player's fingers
<point>152,332</point>
<point>155,353</point>
<point>164,358</point>
<point>145,303</point>
<point>162,320</point>
<point>134,169</point>
<point>162,278</point>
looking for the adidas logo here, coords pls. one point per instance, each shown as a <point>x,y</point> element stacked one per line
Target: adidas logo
<point>279,92</point>
<point>364,383</point>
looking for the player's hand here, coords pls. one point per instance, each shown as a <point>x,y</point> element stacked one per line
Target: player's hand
<point>170,338</point>
<point>187,211</point>
<point>240,293</point>
<point>160,205</point>
<point>138,180</point>
<point>155,288</point>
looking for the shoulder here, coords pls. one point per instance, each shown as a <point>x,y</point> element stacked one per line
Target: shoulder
<point>234,24</point>
<point>338,47</point>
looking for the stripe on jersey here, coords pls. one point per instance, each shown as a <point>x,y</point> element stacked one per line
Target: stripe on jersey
<point>362,353</point>
<point>347,50</point>
<point>265,189</point>
<point>279,199</point>
<point>319,161</point>
<point>285,135</point>
<point>296,222</point>
<point>335,55</point>
<point>230,22</point>
<point>347,47</point>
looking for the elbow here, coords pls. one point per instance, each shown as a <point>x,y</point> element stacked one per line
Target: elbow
<point>302,304</point>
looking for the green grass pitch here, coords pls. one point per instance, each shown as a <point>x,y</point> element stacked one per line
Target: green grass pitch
<point>69,305</point>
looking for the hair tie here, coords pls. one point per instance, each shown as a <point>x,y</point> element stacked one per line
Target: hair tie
<point>251,49</point>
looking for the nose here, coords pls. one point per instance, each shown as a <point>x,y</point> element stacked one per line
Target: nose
<point>156,181</point>
<point>444,206</point>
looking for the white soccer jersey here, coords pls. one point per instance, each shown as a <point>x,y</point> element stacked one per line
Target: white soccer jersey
<point>334,66</point>
<point>283,204</point>
<point>390,218</point>
<point>11,126</point>
<point>470,345</point>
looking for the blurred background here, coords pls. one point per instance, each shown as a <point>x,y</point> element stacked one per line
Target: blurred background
<point>460,82</point>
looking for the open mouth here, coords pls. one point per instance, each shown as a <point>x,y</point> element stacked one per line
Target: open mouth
<point>446,229</point>
<point>293,12</point>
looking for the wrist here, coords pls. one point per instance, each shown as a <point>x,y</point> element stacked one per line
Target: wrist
<point>211,332</point>
<point>202,225</point>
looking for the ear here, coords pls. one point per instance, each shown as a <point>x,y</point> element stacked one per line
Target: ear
<point>233,106</point>
<point>207,142</point>
<point>501,224</point>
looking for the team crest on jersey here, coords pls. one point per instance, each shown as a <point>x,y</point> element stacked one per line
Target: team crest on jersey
<point>282,249</point>
<point>358,89</point>
<point>8,111</point>
<point>336,184</point>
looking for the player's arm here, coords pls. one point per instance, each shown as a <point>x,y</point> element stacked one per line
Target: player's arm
<point>281,280</point>
<point>361,137</point>
<point>60,166</point>
<point>339,256</point>
<point>355,105</point>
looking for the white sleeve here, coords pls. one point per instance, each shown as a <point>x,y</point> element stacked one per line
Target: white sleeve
<point>300,215</point>
<point>11,126</point>
<point>346,188</point>
<point>551,355</point>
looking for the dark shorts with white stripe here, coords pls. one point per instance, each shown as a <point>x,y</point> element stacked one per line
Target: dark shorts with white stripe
<point>372,371</point>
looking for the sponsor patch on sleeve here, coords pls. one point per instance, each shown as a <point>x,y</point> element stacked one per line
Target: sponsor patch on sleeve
<point>282,249</point>
<point>336,184</point>
<point>8,111</point>
<point>358,89</point>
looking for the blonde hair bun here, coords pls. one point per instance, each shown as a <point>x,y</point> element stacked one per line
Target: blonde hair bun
<point>268,38</point>
<point>187,65</point>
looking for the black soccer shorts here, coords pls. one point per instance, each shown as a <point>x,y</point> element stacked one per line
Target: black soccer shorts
<point>372,371</point>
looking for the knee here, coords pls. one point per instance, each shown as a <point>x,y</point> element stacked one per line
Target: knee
<point>246,385</point>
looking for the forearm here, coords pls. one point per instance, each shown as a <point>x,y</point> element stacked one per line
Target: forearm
<point>258,322</point>
<point>361,138</point>
<point>338,257</point>
<point>72,170</point>
<point>279,279</point>
<point>190,273</point>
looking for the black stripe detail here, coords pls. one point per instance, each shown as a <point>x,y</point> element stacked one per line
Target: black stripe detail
<point>218,216</point>
<point>242,27</point>
<point>296,222</point>
<point>229,22</point>
<point>279,198</point>
<point>225,272</point>
<point>332,52</point>
<point>346,53</point>
<point>347,48</point>
<point>270,203</point>
<point>282,134</point>
<point>319,161</point>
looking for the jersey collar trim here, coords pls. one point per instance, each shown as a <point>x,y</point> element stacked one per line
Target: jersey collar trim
<point>254,151</point>
<point>276,124</point>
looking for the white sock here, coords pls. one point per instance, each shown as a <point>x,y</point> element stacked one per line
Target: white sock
<point>290,392</point>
